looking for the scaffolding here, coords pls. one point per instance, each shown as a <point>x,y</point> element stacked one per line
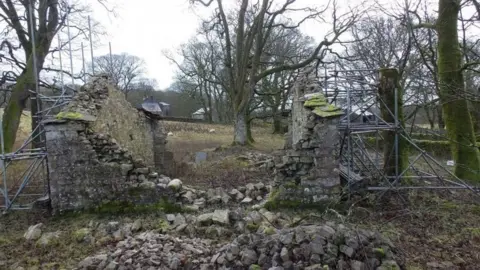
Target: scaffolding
<point>24,171</point>
<point>361,131</point>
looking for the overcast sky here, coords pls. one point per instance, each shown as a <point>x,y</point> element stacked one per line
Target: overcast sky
<point>145,28</point>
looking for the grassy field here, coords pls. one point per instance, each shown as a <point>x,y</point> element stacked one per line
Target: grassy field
<point>221,167</point>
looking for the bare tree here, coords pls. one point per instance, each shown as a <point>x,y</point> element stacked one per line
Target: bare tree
<point>124,69</point>
<point>30,29</point>
<point>243,35</point>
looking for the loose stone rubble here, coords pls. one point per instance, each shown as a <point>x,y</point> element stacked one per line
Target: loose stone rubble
<point>327,246</point>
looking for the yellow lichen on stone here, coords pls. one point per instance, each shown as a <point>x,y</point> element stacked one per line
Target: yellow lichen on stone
<point>327,111</point>
<point>315,101</point>
<point>320,106</point>
<point>69,115</point>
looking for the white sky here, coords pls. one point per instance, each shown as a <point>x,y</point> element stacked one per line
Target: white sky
<point>145,28</point>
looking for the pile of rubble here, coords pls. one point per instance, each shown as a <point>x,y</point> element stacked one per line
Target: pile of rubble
<point>248,194</point>
<point>327,246</point>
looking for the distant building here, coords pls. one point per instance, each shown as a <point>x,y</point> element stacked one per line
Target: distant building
<point>165,108</point>
<point>199,114</point>
<point>151,105</point>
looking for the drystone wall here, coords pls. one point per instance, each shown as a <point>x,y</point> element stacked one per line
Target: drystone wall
<point>306,171</point>
<point>101,150</point>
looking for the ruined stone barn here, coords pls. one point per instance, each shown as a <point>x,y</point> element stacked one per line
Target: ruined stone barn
<point>307,170</point>
<point>99,146</point>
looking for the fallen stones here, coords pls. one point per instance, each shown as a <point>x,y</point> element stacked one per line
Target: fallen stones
<point>221,217</point>
<point>302,247</point>
<point>175,184</point>
<point>34,232</point>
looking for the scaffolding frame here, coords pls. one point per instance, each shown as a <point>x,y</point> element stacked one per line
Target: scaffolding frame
<point>15,192</point>
<point>360,160</point>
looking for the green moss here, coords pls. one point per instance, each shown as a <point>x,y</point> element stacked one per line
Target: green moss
<point>379,252</point>
<point>269,231</point>
<point>275,203</point>
<point>290,185</point>
<point>315,101</point>
<point>120,207</point>
<point>327,111</point>
<point>69,115</point>
<point>4,241</point>
<point>79,235</point>
<point>255,267</point>
<point>252,227</point>
<point>473,232</point>
<point>163,225</point>
<point>449,205</point>
<point>476,209</point>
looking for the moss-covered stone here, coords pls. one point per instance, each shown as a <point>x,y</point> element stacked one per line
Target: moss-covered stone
<point>315,100</point>
<point>269,231</point>
<point>379,252</point>
<point>69,115</point>
<point>163,225</point>
<point>320,106</point>
<point>252,227</point>
<point>255,267</point>
<point>118,207</point>
<point>79,235</point>
<point>327,111</point>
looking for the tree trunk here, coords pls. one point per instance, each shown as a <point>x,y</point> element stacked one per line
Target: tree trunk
<point>441,123</point>
<point>16,105</point>
<point>37,132</point>
<point>452,94</point>
<point>240,131</point>
<point>249,131</point>
<point>395,149</point>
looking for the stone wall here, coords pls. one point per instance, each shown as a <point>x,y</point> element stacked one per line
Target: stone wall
<point>100,149</point>
<point>306,172</point>
<point>110,113</point>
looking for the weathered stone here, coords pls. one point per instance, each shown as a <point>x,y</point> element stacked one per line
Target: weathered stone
<point>175,184</point>
<point>316,248</point>
<point>248,256</point>
<point>170,218</point>
<point>221,217</point>
<point>388,265</point>
<point>205,219</point>
<point>357,265</point>
<point>126,167</point>
<point>48,238</point>
<point>179,220</point>
<point>137,225</point>
<point>246,200</point>
<point>34,232</point>
<point>284,254</point>
<point>347,250</point>
<point>326,231</point>
<point>287,238</point>
<point>148,184</point>
<point>93,261</point>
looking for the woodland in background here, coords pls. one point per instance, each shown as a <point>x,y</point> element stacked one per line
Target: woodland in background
<point>243,61</point>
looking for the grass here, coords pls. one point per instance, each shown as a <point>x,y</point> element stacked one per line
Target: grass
<point>16,169</point>
<point>221,168</point>
<point>192,137</point>
<point>436,226</point>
